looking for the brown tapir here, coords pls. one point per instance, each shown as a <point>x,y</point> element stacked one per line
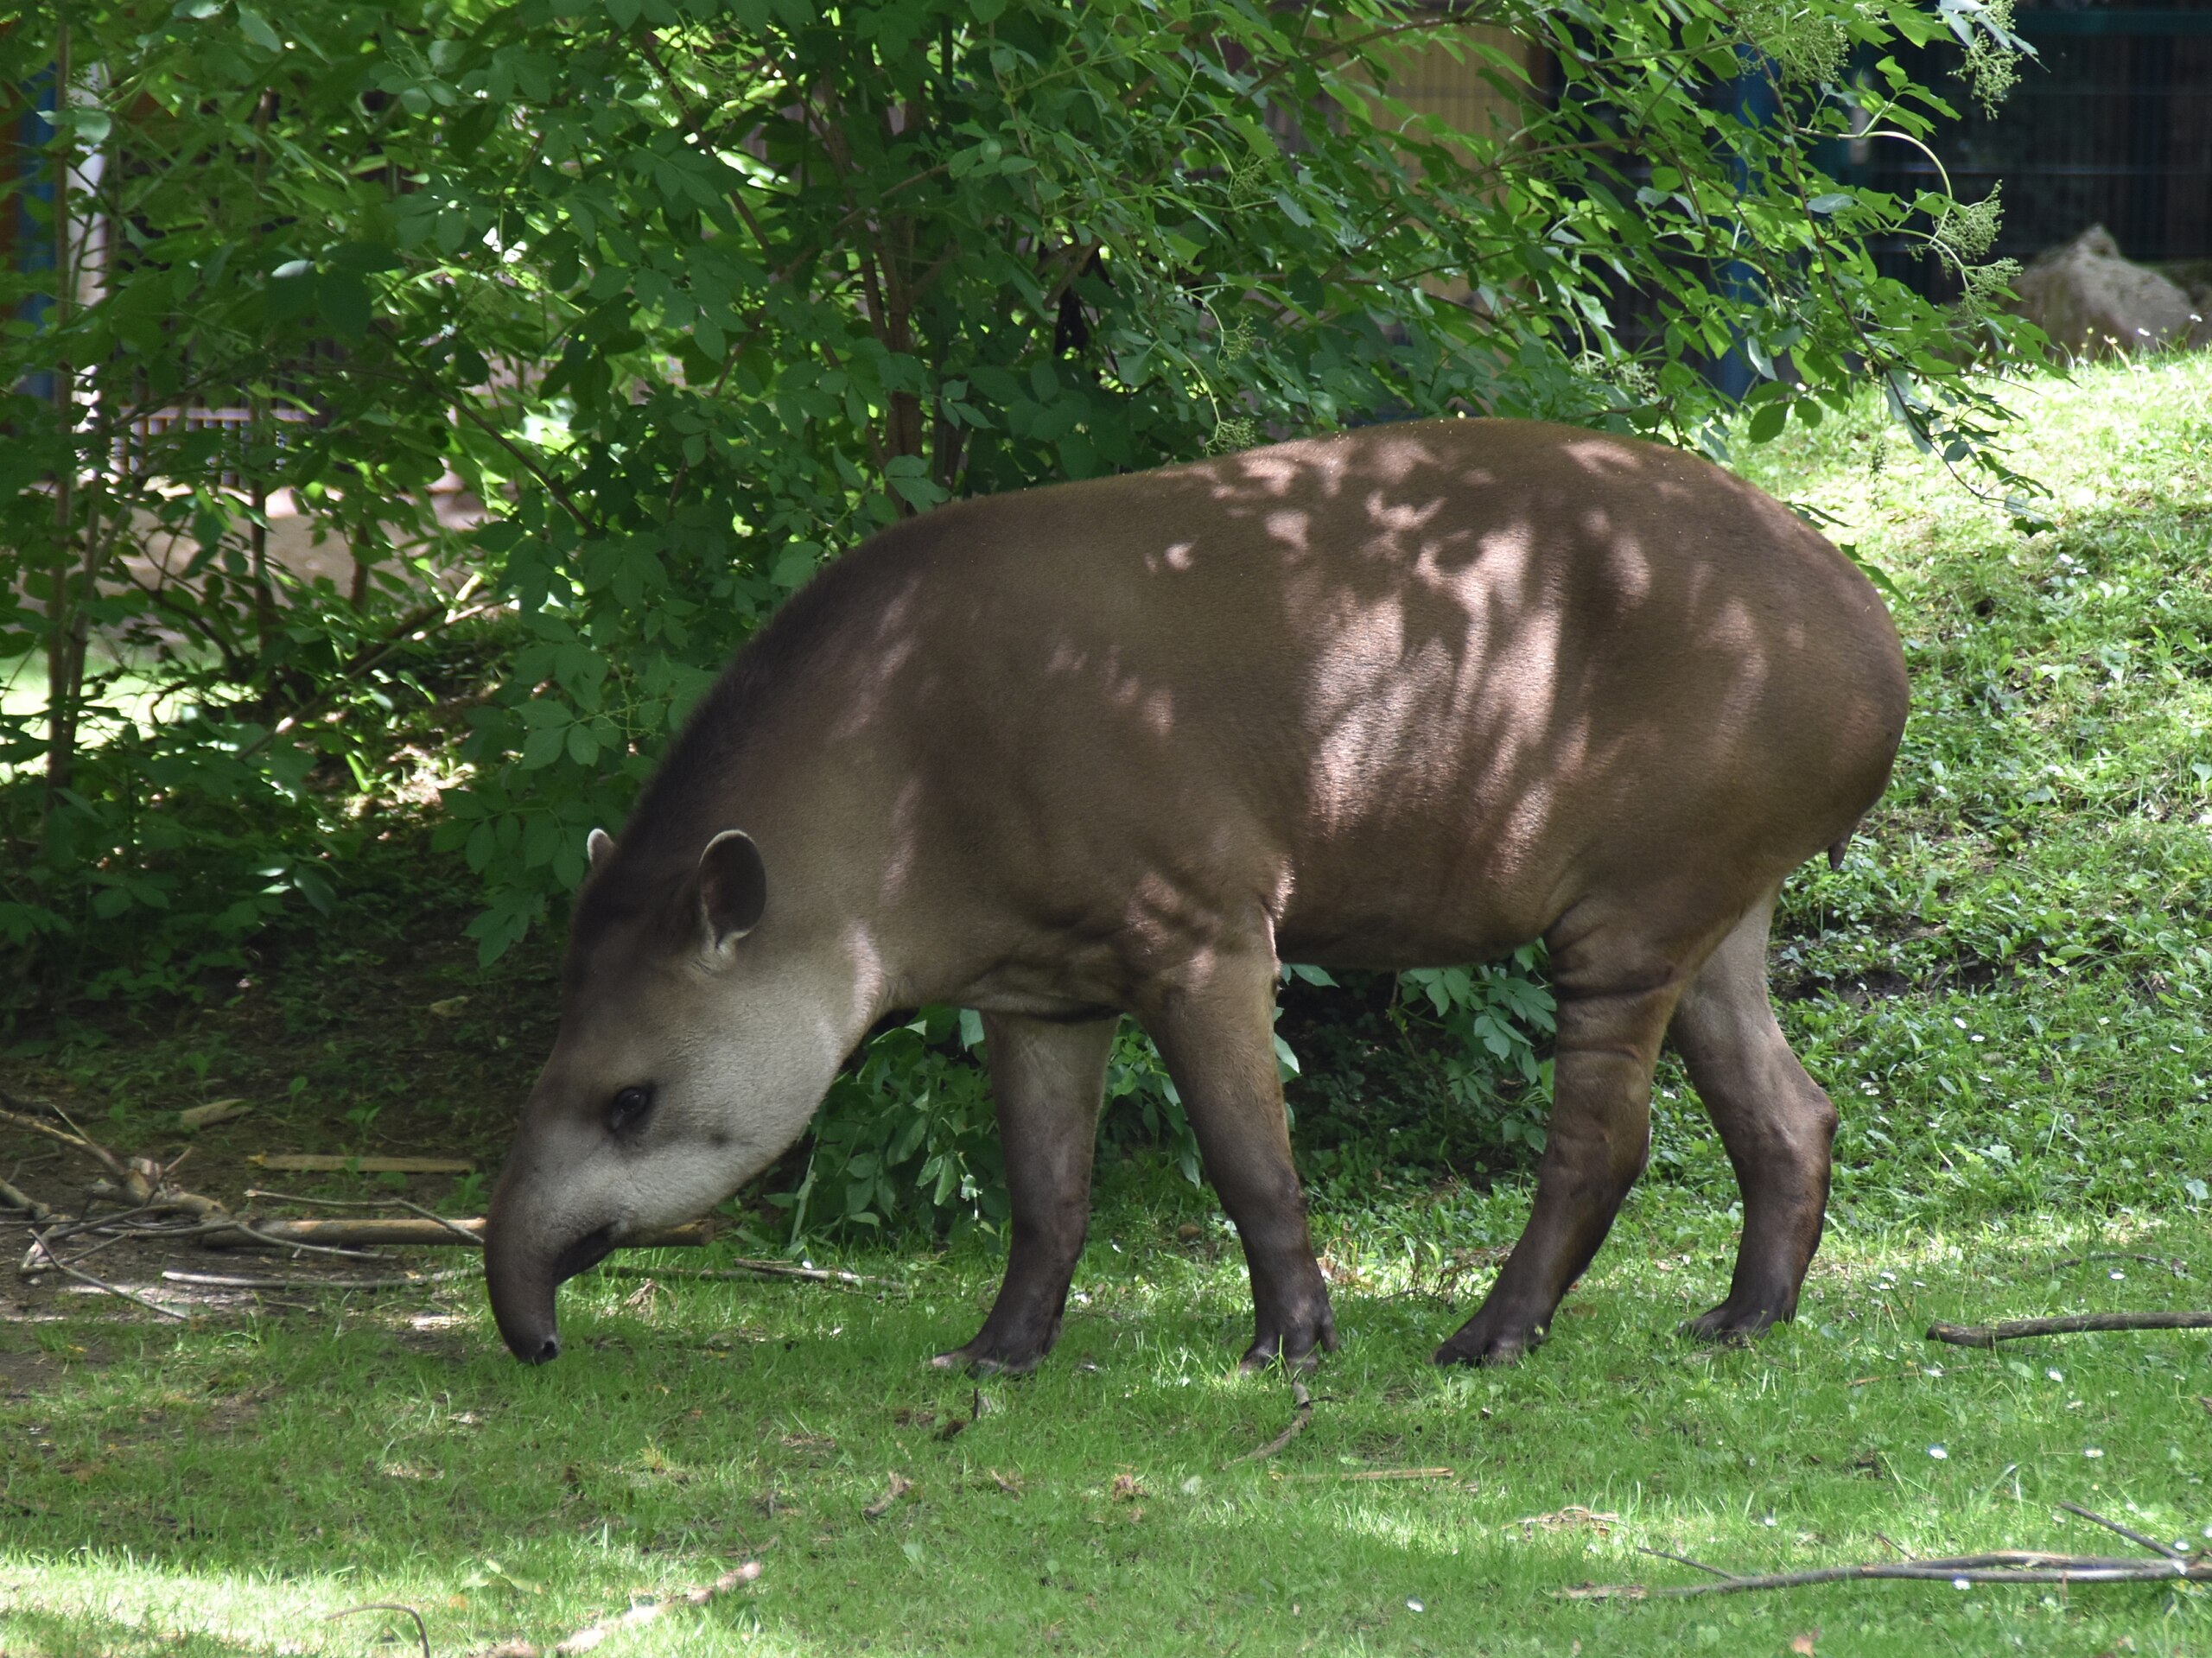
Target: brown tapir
<point>1409,696</point>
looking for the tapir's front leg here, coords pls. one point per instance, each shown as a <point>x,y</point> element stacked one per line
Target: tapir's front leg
<point>1216,1031</point>
<point>1047,1079</point>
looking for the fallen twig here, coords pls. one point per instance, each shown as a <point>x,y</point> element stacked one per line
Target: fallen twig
<point>2173,1264</point>
<point>250,1282</point>
<point>422,1630</point>
<point>81,1142</point>
<point>437,1231</point>
<point>643,1612</point>
<point>898,1487</point>
<point>1301,1413</point>
<point>215,1111</point>
<point>38,1212</point>
<point>2000,1566</point>
<point>2132,1536</point>
<point>2066,1324</point>
<point>367,1202</point>
<point>331,1163</point>
<point>101,1284</point>
<point>743,1268</point>
<point>1367,1474</point>
<point>2015,1567</point>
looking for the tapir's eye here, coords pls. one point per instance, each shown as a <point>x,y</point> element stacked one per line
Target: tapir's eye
<point>629,1108</point>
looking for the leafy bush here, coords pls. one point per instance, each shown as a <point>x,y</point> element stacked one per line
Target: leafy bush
<point>697,293</point>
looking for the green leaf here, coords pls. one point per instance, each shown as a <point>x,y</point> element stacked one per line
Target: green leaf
<point>543,747</point>
<point>256,29</point>
<point>1766,422</point>
<point>1833,201</point>
<point>344,298</point>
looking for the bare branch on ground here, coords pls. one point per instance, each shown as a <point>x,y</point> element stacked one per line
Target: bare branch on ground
<point>642,1613</point>
<point>422,1630</point>
<point>254,1282</point>
<point>101,1284</point>
<point>746,1269</point>
<point>1999,1565</point>
<point>2069,1324</point>
<point>1301,1413</point>
<point>2173,1264</point>
<point>898,1487</point>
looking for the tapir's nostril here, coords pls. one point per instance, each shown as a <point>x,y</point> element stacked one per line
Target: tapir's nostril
<point>548,1350</point>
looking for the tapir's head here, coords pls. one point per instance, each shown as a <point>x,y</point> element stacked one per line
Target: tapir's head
<point>699,1029</point>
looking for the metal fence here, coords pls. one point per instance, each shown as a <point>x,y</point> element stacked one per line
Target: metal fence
<point>2112,125</point>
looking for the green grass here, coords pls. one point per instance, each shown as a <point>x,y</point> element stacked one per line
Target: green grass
<point>2004,988</point>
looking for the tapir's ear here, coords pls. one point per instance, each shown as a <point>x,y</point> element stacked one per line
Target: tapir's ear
<point>733,886</point>
<point>599,847</point>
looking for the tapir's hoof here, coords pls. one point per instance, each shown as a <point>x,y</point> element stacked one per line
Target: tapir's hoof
<point>1480,1341</point>
<point>1297,1350</point>
<point>989,1358</point>
<point>1730,1325</point>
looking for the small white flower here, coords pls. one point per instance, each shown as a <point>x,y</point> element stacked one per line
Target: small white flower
<point>1938,1452</point>
<point>1412,1605</point>
<point>2092,1451</point>
<point>1960,1583</point>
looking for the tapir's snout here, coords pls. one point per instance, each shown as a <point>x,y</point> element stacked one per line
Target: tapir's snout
<point>522,1269</point>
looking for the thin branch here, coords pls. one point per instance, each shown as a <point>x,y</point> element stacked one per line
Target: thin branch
<point>83,1142</point>
<point>2171,1263</point>
<point>2151,1543</point>
<point>2010,1566</point>
<point>101,1284</point>
<point>744,1268</point>
<point>368,1203</point>
<point>1684,1559</point>
<point>422,1630</point>
<point>254,1282</point>
<point>2070,1323</point>
<point>1301,1414</point>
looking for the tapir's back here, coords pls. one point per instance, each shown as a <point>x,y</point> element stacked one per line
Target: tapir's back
<point>1416,689</point>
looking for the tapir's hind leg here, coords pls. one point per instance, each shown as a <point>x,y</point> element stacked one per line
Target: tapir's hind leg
<point>1774,1120</point>
<point>1047,1079</point>
<point>1216,1031</point>
<point>1600,1135</point>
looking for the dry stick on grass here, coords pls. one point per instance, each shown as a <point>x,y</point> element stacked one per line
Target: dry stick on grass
<point>1301,1413</point>
<point>2070,1323</point>
<point>898,1487</point>
<point>644,1613</point>
<point>252,1281</point>
<point>422,1630</point>
<point>99,1153</point>
<point>101,1284</point>
<point>746,1269</point>
<point>293,1235</point>
<point>2010,1567</point>
<point>2173,1264</point>
<point>2132,1536</point>
<point>39,1214</point>
<point>1367,1474</point>
<point>1999,1565</point>
<point>368,1202</point>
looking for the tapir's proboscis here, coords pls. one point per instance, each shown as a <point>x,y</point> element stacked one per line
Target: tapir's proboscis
<point>1409,696</point>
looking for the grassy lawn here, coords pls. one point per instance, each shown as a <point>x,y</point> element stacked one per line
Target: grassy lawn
<point>2004,988</point>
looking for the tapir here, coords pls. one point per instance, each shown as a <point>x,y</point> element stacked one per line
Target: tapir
<point>1412,694</point>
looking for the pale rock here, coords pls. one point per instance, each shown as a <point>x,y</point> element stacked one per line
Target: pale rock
<point>2093,302</point>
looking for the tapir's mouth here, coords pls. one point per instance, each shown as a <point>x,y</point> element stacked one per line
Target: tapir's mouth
<point>522,1299</point>
<point>584,1255</point>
